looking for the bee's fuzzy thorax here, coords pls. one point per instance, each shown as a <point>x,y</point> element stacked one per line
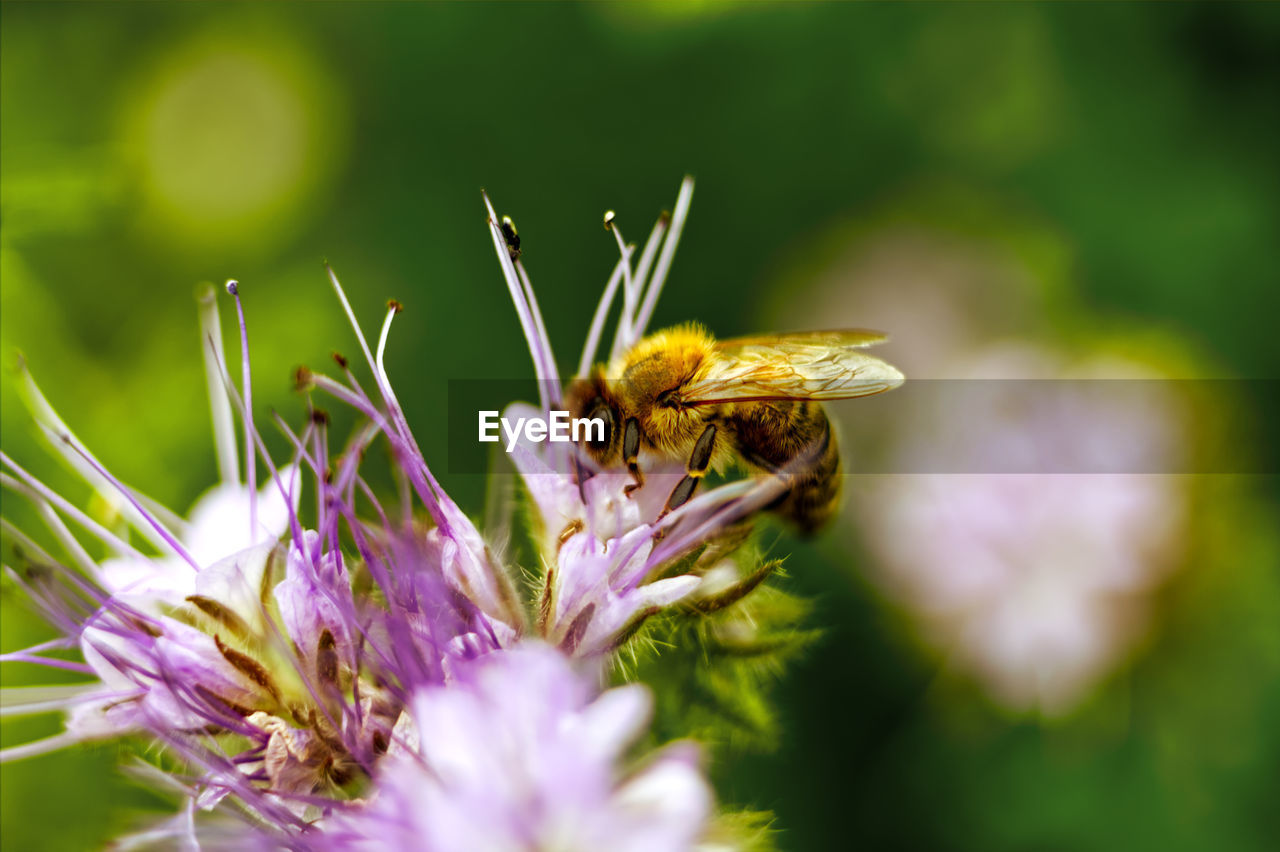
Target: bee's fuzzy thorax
<point>682,347</point>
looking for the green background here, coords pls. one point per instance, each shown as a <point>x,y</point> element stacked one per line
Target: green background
<point>146,148</point>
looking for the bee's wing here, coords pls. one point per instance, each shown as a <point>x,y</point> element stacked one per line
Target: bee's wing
<point>809,365</point>
<point>845,338</point>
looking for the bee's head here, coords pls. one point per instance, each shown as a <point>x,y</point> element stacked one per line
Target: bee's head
<point>589,398</point>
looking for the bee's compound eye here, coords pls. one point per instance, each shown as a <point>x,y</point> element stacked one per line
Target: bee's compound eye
<point>597,439</point>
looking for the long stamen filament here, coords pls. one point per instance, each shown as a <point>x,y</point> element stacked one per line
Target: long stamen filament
<point>68,541</point>
<point>171,543</point>
<point>79,457</point>
<point>39,747</point>
<point>651,247</point>
<point>631,284</point>
<point>601,314</point>
<point>544,368</point>
<point>254,440</point>
<point>224,427</point>
<point>392,310</point>
<point>36,490</point>
<point>399,426</point>
<point>250,457</point>
<point>553,389</point>
<point>631,291</point>
<point>660,271</point>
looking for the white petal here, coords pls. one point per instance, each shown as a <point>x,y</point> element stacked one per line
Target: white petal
<point>609,724</point>
<point>236,583</point>
<point>665,592</point>
<point>166,580</point>
<point>220,519</point>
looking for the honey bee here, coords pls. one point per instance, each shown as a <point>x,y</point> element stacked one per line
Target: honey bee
<point>681,394</point>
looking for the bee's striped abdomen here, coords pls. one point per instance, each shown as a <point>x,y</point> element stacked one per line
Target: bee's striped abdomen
<point>776,436</point>
<point>815,496</point>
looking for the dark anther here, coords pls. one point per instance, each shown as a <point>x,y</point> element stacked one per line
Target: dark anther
<point>340,360</point>
<point>221,704</point>
<point>577,629</point>
<point>571,529</point>
<point>511,237</point>
<point>545,601</point>
<point>394,305</point>
<point>302,379</point>
<point>219,613</point>
<point>145,627</point>
<point>327,658</point>
<point>249,667</point>
<point>233,287</point>
<point>320,417</point>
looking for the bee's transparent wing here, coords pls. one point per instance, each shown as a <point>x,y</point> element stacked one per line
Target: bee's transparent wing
<point>808,365</point>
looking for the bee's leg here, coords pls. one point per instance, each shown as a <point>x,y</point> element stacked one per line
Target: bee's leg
<point>699,461</point>
<point>630,454</point>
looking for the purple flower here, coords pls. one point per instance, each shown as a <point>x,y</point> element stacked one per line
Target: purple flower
<point>520,752</point>
<point>203,637</point>
<point>296,657</point>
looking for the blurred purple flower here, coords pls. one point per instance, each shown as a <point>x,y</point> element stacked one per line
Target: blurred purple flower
<point>1034,581</point>
<point>1031,571</point>
<point>520,752</point>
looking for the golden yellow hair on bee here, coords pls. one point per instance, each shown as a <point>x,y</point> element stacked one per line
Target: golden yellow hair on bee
<point>681,394</point>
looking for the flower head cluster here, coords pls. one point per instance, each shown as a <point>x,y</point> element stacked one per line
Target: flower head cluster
<point>339,670</point>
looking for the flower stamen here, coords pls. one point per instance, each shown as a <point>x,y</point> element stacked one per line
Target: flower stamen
<point>543,362</point>
<point>224,436</point>
<point>654,288</point>
<point>250,458</point>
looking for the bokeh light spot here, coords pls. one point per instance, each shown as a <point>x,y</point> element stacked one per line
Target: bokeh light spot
<point>230,141</point>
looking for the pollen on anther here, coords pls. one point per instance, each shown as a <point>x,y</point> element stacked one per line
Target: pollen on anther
<point>303,379</point>
<point>609,216</point>
<point>233,287</point>
<point>394,305</point>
